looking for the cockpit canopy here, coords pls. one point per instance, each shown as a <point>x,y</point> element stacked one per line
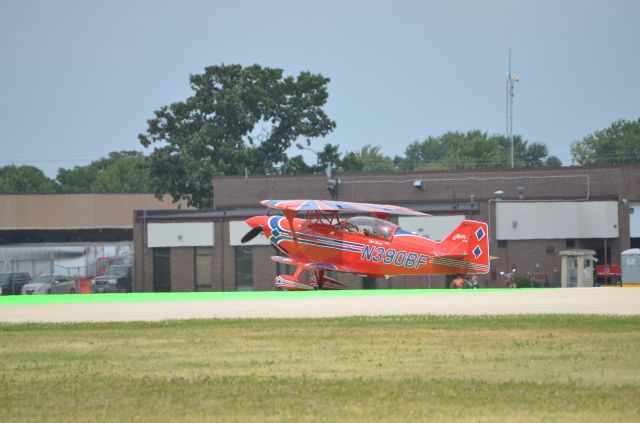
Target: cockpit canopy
<point>370,226</point>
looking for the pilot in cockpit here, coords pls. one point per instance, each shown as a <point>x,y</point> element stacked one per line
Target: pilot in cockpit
<point>369,226</point>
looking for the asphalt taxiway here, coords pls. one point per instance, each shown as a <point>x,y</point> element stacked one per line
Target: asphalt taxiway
<point>609,301</point>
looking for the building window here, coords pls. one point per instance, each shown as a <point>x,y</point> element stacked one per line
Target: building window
<point>244,268</point>
<point>204,273</point>
<point>162,269</point>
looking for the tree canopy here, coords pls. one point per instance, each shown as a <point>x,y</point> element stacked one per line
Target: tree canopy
<point>129,171</point>
<point>473,150</point>
<point>238,118</point>
<point>367,159</point>
<point>120,171</point>
<point>24,179</point>
<point>618,144</point>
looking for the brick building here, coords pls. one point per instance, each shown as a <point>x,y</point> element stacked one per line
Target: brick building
<point>533,214</point>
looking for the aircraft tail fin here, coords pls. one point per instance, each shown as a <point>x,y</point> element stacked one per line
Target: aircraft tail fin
<point>466,248</point>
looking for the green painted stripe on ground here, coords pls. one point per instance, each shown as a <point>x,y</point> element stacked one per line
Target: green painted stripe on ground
<point>144,297</point>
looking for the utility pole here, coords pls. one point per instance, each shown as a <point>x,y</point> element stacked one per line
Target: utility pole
<point>511,80</point>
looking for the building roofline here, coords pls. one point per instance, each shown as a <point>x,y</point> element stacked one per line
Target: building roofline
<point>435,172</point>
<point>198,214</point>
<point>77,193</point>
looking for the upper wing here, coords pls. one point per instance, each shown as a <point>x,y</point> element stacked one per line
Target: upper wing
<point>329,206</point>
<point>312,266</point>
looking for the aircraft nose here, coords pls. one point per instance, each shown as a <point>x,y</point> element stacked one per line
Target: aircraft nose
<point>256,221</point>
<point>257,224</point>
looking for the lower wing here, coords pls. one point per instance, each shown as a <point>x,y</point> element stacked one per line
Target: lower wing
<point>312,266</point>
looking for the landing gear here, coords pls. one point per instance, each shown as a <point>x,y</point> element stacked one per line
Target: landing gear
<point>317,281</point>
<point>325,282</point>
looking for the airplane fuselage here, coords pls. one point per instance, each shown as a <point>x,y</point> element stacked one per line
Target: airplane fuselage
<point>397,253</point>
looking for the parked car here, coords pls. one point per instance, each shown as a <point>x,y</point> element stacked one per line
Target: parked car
<point>11,283</point>
<point>117,278</point>
<point>50,284</point>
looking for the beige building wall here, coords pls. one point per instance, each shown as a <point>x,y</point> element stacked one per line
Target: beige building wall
<point>76,211</point>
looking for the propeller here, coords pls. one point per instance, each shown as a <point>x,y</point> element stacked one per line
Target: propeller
<point>254,231</point>
<point>251,234</point>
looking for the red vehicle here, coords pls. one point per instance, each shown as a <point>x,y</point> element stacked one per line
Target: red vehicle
<point>324,239</point>
<point>608,274</point>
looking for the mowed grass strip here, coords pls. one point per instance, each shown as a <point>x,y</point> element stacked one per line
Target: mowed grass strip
<point>524,368</point>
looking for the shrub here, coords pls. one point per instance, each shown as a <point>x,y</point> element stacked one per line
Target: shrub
<point>522,282</point>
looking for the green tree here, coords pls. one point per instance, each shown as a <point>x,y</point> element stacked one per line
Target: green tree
<point>78,179</point>
<point>238,119</point>
<point>471,150</point>
<point>616,145</point>
<point>296,165</point>
<point>552,161</point>
<point>129,173</point>
<point>330,154</point>
<point>120,171</point>
<point>24,179</point>
<point>429,151</point>
<point>534,154</point>
<point>367,159</point>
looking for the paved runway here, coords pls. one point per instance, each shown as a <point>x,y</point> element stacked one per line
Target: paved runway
<point>613,301</point>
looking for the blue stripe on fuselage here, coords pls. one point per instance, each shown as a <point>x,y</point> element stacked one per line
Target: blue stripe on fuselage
<point>283,234</point>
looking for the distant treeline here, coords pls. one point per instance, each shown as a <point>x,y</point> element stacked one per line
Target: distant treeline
<point>128,171</point>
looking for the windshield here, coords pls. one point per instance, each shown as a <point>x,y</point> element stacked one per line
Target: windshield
<point>44,279</point>
<point>370,226</point>
<point>117,271</point>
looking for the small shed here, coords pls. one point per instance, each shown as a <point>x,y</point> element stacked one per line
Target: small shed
<point>631,266</point>
<point>577,267</point>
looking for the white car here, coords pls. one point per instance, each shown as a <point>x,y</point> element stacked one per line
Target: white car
<point>50,284</point>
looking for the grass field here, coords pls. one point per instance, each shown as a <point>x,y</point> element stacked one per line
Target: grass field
<point>527,368</point>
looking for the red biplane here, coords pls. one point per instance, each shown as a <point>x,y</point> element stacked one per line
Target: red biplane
<point>321,235</point>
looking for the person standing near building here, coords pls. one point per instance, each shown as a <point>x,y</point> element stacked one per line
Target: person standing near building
<point>457,282</point>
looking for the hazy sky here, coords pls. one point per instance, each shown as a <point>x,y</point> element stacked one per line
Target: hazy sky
<point>79,79</point>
